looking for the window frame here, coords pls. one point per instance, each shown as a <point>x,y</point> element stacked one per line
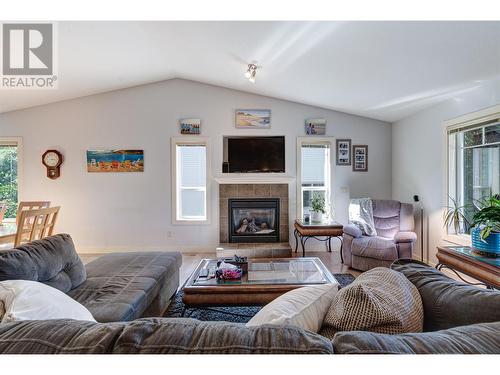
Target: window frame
<point>20,165</point>
<point>331,141</point>
<point>202,141</point>
<point>470,119</point>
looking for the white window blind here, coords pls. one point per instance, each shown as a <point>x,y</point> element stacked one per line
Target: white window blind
<point>315,174</point>
<point>191,182</point>
<point>313,165</point>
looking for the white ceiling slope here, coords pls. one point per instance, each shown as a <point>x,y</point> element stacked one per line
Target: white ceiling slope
<point>383,70</point>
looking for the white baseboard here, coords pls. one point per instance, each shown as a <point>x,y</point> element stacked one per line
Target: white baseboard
<point>128,249</point>
<point>196,249</point>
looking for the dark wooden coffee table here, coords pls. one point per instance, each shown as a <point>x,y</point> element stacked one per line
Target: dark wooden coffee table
<point>265,280</point>
<point>469,262</point>
<point>326,230</point>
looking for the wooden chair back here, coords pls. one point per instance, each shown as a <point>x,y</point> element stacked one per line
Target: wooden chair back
<point>3,209</point>
<point>35,224</point>
<point>30,205</point>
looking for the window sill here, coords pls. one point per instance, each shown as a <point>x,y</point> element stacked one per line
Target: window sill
<point>190,222</point>
<point>458,239</point>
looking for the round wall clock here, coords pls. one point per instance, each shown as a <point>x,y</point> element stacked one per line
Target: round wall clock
<point>52,159</point>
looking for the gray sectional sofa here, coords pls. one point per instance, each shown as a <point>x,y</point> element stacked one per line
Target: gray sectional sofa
<point>114,287</point>
<point>458,318</point>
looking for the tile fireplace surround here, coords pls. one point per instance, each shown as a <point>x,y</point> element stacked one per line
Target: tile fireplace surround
<point>231,191</point>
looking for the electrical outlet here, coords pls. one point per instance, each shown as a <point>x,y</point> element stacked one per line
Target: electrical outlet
<point>169,234</point>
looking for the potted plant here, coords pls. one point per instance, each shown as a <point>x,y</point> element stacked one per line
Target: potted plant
<point>454,216</point>
<point>485,232</point>
<point>318,208</point>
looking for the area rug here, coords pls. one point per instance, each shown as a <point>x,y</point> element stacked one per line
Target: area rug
<point>237,314</point>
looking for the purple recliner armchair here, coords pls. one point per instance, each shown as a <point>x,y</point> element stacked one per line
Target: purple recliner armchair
<point>395,237</point>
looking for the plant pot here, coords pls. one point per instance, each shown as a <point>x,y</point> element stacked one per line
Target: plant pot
<point>490,245</point>
<point>316,217</point>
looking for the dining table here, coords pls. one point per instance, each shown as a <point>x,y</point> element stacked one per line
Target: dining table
<point>8,232</point>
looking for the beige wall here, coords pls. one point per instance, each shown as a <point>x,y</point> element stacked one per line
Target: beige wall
<point>417,156</point>
<point>132,211</point>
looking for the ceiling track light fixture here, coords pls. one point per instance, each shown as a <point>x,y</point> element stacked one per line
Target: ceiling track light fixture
<point>251,72</point>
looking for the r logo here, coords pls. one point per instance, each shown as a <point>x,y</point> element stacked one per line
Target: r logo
<point>27,49</point>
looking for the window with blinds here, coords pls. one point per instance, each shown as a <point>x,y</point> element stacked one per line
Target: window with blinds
<point>315,174</point>
<point>8,178</point>
<point>474,165</point>
<point>191,181</point>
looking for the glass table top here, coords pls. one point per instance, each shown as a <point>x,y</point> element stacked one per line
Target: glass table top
<point>294,271</point>
<point>469,252</point>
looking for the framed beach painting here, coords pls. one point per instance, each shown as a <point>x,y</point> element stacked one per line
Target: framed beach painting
<point>115,161</point>
<point>253,118</point>
<point>343,151</point>
<point>360,155</point>
<point>190,126</point>
<point>316,126</point>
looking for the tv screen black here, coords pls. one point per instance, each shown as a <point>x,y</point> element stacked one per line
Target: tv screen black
<point>256,154</point>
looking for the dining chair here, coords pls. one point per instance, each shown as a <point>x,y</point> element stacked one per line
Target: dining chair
<point>36,224</point>
<point>30,205</point>
<point>3,209</point>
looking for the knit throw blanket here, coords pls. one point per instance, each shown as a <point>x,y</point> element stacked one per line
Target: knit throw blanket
<point>361,215</point>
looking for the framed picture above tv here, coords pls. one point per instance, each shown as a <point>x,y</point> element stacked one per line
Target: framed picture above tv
<point>253,119</point>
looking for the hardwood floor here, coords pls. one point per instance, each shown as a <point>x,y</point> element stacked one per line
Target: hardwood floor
<point>190,261</point>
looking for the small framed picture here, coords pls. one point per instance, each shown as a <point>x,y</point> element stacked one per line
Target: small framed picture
<point>360,158</point>
<point>316,126</point>
<point>190,126</point>
<point>343,151</point>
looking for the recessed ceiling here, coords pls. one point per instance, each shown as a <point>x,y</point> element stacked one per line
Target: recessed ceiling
<point>383,70</point>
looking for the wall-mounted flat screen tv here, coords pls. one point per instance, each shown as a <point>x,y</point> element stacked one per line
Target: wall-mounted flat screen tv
<point>254,154</point>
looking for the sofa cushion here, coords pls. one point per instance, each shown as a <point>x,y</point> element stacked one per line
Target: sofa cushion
<point>374,247</point>
<point>447,302</point>
<point>473,339</point>
<point>61,336</point>
<point>52,261</point>
<point>189,336</point>
<point>379,300</point>
<point>155,336</point>
<point>121,286</point>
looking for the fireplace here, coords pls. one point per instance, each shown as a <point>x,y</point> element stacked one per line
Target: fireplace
<point>254,220</point>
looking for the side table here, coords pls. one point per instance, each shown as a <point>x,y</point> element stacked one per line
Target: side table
<point>327,230</point>
<point>471,263</point>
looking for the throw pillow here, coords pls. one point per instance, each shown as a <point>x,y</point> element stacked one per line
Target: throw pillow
<point>380,300</point>
<point>361,215</point>
<point>31,300</point>
<point>304,307</point>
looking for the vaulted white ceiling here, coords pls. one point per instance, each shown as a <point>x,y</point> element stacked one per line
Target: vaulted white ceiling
<point>383,70</point>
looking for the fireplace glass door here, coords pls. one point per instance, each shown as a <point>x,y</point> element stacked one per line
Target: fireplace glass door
<point>253,220</point>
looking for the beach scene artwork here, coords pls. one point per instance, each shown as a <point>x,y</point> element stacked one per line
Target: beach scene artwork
<point>253,118</point>
<point>315,126</point>
<point>190,126</point>
<point>115,161</point>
